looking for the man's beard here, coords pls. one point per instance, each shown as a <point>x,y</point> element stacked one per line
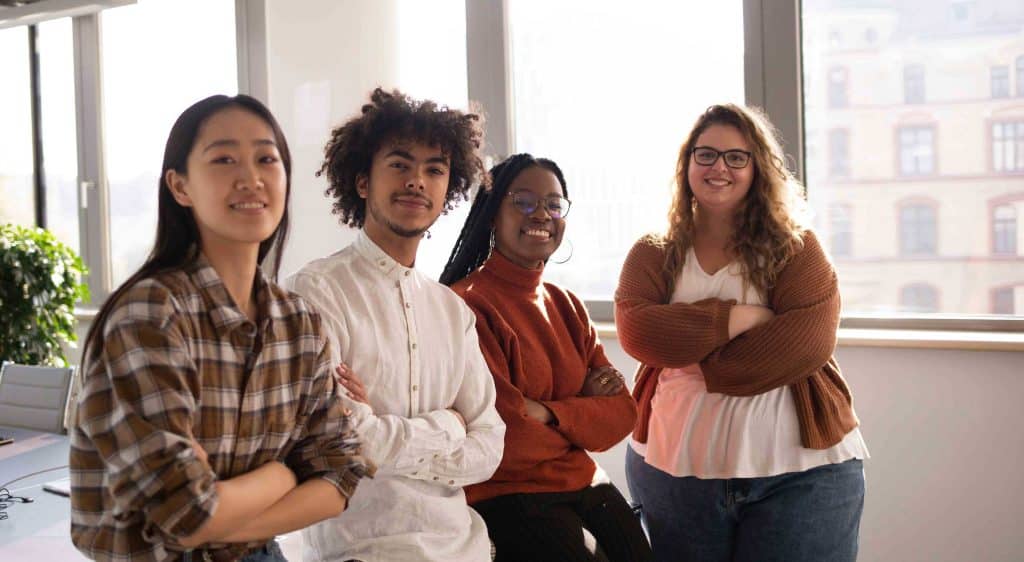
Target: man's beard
<point>396,228</point>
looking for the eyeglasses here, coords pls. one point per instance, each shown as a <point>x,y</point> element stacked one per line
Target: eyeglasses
<point>707,156</point>
<point>526,202</point>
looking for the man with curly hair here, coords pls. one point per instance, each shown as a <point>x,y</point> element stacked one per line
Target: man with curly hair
<point>405,345</point>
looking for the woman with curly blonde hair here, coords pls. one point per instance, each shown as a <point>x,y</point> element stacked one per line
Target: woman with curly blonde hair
<point>746,445</point>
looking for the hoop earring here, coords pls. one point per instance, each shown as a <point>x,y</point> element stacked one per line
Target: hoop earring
<point>491,241</point>
<point>571,249</point>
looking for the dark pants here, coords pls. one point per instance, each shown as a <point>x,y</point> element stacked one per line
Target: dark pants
<point>593,524</point>
<point>809,516</point>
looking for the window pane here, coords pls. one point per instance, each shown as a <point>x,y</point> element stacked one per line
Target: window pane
<point>435,70</point>
<point>17,194</point>
<point>613,111</point>
<point>159,57</point>
<point>931,152</point>
<point>60,150</point>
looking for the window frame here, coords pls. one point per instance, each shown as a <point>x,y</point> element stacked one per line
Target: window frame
<point>999,81</point>
<point>774,82</point>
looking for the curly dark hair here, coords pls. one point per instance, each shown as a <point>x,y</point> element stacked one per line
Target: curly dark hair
<point>395,116</point>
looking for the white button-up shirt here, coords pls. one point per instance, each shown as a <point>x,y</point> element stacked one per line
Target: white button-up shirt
<point>413,343</point>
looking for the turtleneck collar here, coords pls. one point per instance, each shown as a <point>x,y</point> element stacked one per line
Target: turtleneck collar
<point>512,274</point>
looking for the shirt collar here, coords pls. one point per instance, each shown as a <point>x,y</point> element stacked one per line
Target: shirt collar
<point>504,270</point>
<point>223,310</point>
<point>380,259</point>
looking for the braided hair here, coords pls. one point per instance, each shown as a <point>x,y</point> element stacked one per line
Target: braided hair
<point>474,244</point>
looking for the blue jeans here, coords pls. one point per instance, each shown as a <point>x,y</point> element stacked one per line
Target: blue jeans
<point>271,552</point>
<point>809,516</point>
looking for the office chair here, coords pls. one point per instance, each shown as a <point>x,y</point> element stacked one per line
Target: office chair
<point>35,397</point>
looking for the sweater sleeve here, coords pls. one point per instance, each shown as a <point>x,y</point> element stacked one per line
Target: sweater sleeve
<point>659,333</point>
<point>795,343</point>
<point>592,423</point>
<point>527,441</point>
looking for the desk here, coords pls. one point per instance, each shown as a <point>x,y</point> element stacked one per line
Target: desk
<point>39,530</point>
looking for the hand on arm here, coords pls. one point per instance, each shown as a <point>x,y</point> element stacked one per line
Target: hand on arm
<point>602,381</point>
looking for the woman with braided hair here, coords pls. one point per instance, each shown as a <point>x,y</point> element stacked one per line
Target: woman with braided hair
<point>556,391</point>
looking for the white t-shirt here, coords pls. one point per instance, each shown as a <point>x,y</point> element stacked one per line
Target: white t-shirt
<point>694,432</point>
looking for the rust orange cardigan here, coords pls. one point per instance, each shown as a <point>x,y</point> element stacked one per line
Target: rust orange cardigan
<point>793,349</point>
<point>539,343</point>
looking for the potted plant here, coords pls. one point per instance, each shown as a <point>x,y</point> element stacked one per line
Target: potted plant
<point>40,282</point>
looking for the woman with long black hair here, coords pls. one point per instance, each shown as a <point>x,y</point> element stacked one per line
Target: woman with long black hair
<point>208,421</point>
<point>556,391</point>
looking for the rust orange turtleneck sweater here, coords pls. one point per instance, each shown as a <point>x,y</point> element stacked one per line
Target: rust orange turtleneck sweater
<point>539,343</point>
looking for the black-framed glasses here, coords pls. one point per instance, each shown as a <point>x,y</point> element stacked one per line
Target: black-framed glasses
<point>526,202</point>
<point>707,156</point>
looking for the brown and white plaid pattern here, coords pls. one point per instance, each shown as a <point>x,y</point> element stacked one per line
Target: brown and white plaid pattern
<point>177,360</point>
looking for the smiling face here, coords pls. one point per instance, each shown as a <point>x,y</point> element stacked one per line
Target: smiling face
<point>235,182</point>
<point>529,240</point>
<point>719,188</point>
<point>405,190</point>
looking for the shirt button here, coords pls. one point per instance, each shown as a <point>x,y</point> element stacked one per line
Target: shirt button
<point>436,478</point>
<point>407,273</point>
<point>415,387</point>
<point>421,460</point>
<point>414,345</point>
<point>382,262</point>
<point>450,482</point>
<point>408,305</point>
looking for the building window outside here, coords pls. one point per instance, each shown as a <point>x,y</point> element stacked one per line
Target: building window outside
<point>919,297</point>
<point>841,230</point>
<point>1004,301</point>
<point>838,153</point>
<point>1008,146</point>
<point>913,83</point>
<point>838,96</point>
<point>1020,76</point>
<point>1004,230</point>
<point>918,230</point>
<point>917,150</point>
<point>1000,79</point>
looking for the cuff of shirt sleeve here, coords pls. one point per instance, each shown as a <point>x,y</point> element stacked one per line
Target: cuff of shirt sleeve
<point>188,501</point>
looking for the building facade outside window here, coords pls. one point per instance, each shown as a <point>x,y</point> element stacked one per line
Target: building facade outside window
<point>919,297</point>
<point>913,83</point>
<point>839,153</point>
<point>1005,300</point>
<point>1004,230</point>
<point>1008,146</point>
<point>837,87</point>
<point>918,229</point>
<point>1000,80</point>
<point>1020,76</point>
<point>841,230</point>
<point>916,150</point>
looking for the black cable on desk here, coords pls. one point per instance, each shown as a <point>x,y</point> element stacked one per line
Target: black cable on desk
<point>6,499</point>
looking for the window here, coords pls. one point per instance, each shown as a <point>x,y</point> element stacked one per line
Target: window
<point>60,150</point>
<point>1004,230</point>
<point>837,87</point>
<point>1000,81</point>
<point>1020,76</point>
<point>1005,300</point>
<point>841,230</point>
<point>618,159</point>
<point>916,150</point>
<point>143,44</point>
<point>1008,146</point>
<point>918,230</point>
<point>17,191</point>
<point>919,297</point>
<point>961,11</point>
<point>839,153</point>
<point>913,83</point>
